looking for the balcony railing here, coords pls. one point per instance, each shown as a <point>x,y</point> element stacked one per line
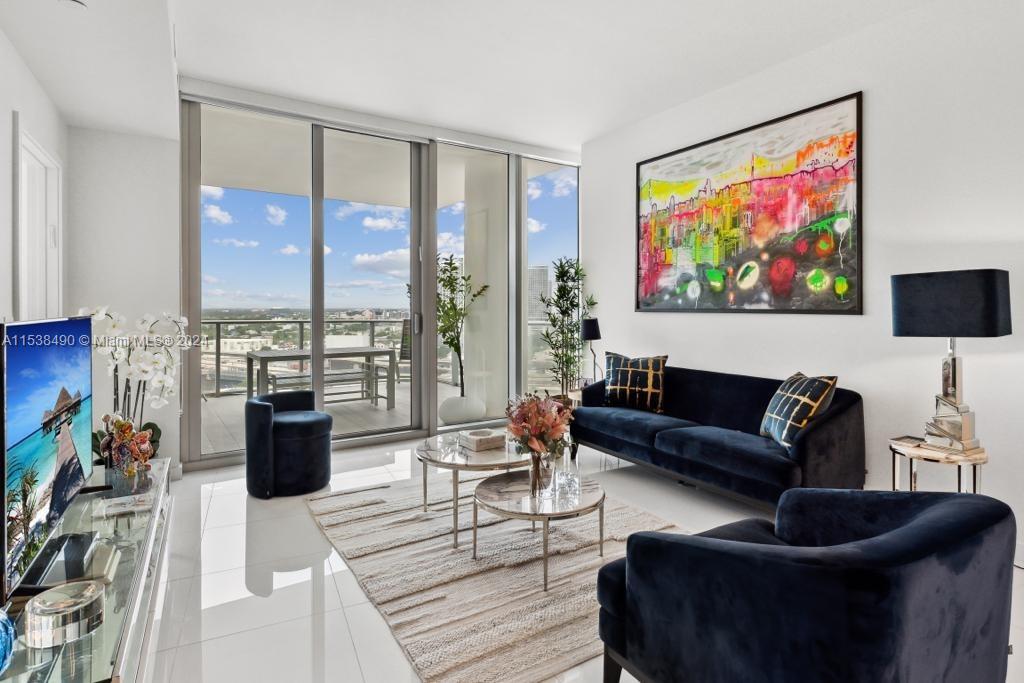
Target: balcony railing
<point>224,347</point>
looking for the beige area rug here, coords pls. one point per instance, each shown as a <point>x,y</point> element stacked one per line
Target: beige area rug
<point>488,619</point>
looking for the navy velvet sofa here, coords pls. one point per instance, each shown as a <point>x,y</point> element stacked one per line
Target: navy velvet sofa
<point>287,445</point>
<point>708,434</point>
<point>845,586</point>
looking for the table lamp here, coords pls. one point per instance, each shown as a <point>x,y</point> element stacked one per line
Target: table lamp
<point>590,331</point>
<point>951,304</point>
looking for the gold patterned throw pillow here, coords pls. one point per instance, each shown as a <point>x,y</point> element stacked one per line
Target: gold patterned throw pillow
<point>796,402</point>
<point>635,382</point>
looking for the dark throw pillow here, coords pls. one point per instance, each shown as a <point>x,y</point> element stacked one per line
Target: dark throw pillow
<point>796,402</point>
<point>634,382</point>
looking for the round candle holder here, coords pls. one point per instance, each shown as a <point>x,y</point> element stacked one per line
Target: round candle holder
<point>63,614</point>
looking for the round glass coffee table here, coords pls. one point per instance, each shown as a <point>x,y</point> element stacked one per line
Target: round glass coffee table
<point>445,452</point>
<point>508,495</point>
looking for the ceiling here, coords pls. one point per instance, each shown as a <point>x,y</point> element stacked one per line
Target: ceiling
<point>244,149</point>
<point>533,71</point>
<point>109,66</point>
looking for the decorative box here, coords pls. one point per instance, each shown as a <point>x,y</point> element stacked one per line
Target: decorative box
<point>482,439</point>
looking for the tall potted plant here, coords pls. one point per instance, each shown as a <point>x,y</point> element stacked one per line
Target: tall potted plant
<point>455,294</point>
<point>566,308</point>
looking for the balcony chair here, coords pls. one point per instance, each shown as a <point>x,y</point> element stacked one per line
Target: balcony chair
<point>847,585</point>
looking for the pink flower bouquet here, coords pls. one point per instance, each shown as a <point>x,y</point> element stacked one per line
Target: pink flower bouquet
<point>539,424</point>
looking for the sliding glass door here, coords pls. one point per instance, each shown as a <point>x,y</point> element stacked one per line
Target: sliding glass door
<point>370,377</point>
<point>550,231</point>
<point>473,278</point>
<point>306,249</point>
<point>254,252</point>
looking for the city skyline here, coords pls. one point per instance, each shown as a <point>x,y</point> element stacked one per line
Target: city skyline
<point>256,245</point>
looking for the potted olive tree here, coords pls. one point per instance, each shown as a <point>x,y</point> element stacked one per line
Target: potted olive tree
<point>455,294</point>
<point>566,308</point>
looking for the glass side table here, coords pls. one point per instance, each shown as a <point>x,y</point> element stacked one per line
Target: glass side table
<point>916,450</point>
<point>508,495</point>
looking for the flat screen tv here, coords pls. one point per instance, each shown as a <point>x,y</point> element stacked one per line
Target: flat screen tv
<point>47,425</point>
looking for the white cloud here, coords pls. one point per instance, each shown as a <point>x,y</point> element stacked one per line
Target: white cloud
<point>564,182</point>
<point>276,215</point>
<point>29,373</point>
<point>327,250</point>
<point>456,208</point>
<point>381,217</point>
<point>217,214</point>
<point>394,263</point>
<point>383,223</point>
<point>232,242</point>
<point>238,296</point>
<point>210,279</point>
<point>289,250</point>
<point>211,192</point>
<point>534,226</point>
<point>377,285</point>
<point>533,189</point>
<point>451,243</point>
<point>351,208</point>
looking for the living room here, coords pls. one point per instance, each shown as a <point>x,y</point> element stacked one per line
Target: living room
<point>405,361</point>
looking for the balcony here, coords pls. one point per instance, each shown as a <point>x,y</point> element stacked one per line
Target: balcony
<point>349,382</point>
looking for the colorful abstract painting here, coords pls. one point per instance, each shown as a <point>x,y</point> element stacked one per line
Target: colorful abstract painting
<point>762,220</point>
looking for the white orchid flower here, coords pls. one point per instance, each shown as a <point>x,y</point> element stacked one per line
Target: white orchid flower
<point>111,366</point>
<point>120,354</point>
<point>161,381</point>
<point>145,323</point>
<point>160,361</point>
<point>158,402</point>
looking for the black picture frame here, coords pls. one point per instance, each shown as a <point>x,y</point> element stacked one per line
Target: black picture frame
<point>858,308</point>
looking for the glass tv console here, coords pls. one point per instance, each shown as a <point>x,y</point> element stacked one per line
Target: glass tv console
<point>122,648</point>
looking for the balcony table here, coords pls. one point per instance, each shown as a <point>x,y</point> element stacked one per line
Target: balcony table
<point>367,353</point>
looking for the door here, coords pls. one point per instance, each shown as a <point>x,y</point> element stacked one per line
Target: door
<point>37,282</point>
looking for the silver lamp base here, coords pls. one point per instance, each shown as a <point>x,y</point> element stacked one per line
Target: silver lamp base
<point>952,425</point>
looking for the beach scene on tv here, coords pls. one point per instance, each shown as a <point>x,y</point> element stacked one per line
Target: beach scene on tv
<point>48,422</point>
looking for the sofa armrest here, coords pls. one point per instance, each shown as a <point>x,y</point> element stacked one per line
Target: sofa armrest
<point>593,394</point>
<point>830,450</point>
<point>285,401</point>
<point>259,447</point>
<point>735,611</point>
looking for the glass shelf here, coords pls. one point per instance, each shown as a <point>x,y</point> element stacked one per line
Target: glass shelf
<point>114,650</point>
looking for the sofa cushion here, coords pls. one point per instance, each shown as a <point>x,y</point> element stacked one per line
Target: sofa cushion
<point>301,424</point>
<point>739,453</point>
<point>796,402</point>
<point>626,424</point>
<point>635,382</point>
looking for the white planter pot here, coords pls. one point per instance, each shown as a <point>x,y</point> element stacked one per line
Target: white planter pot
<point>459,409</point>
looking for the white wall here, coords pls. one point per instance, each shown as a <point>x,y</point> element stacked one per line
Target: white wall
<point>943,183</point>
<point>122,238</point>
<point>21,92</point>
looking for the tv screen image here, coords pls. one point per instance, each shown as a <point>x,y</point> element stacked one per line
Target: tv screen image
<point>47,431</point>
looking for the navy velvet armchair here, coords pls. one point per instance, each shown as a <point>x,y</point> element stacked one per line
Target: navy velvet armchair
<point>287,445</point>
<point>847,585</point>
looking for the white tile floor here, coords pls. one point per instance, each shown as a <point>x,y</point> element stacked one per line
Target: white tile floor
<point>256,593</point>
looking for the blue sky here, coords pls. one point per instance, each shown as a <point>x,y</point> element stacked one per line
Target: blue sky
<point>256,245</point>
<point>36,373</point>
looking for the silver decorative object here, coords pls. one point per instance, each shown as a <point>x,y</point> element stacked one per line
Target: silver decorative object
<point>63,614</point>
<point>952,425</point>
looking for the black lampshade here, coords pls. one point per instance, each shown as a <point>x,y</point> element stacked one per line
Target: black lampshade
<point>953,303</point>
<point>590,330</point>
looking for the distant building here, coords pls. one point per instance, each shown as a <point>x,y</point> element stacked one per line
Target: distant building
<point>538,285</point>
